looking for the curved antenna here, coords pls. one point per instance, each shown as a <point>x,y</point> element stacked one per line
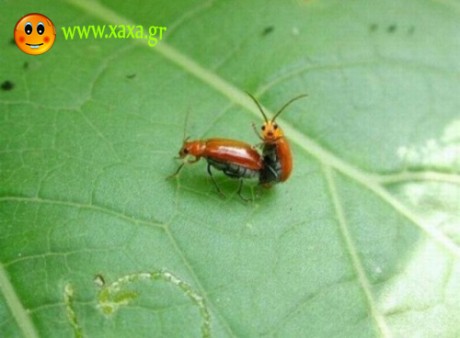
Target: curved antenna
<point>287,104</point>
<point>259,106</point>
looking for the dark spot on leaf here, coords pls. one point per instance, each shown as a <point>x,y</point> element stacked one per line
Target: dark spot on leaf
<point>391,29</point>
<point>131,76</point>
<point>267,30</point>
<point>7,85</point>
<point>25,65</point>
<point>373,27</point>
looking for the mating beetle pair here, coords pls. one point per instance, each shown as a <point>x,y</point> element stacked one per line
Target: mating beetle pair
<point>240,160</point>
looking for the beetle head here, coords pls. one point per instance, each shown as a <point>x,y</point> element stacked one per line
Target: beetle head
<point>191,148</point>
<point>271,132</point>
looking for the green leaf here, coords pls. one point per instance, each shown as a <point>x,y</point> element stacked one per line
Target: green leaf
<point>362,241</point>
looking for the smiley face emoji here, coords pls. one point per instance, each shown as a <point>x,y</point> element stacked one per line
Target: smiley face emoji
<point>34,34</point>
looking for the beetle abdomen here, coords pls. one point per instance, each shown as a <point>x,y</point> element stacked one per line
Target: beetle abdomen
<point>233,170</point>
<point>271,173</point>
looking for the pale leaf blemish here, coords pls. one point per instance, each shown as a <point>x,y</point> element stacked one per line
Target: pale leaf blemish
<point>452,133</point>
<point>69,297</point>
<point>113,296</point>
<point>435,202</point>
<point>407,291</point>
<point>442,152</point>
<point>99,281</point>
<point>436,207</point>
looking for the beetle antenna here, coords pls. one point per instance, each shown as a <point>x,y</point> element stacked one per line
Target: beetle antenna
<point>259,106</point>
<point>287,104</point>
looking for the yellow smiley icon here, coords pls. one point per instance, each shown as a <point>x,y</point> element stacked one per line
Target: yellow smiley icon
<point>34,34</point>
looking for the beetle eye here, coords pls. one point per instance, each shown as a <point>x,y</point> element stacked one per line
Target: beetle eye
<point>263,127</point>
<point>185,151</point>
<point>275,126</point>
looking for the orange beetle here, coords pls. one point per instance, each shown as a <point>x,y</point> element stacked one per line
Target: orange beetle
<point>276,151</point>
<point>234,158</point>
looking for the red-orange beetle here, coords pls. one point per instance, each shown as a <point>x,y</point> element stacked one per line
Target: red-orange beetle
<point>234,158</point>
<point>276,152</point>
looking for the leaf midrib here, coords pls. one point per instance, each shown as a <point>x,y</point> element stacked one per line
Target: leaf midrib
<point>18,311</point>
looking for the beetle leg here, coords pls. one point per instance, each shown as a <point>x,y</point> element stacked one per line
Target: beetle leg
<point>256,131</point>
<point>239,192</point>
<point>214,181</point>
<point>258,145</point>
<point>176,172</point>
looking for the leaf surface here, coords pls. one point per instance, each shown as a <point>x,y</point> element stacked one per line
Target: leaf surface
<point>362,240</point>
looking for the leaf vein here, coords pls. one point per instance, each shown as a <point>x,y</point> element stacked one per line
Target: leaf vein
<point>356,260</point>
<point>94,207</point>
